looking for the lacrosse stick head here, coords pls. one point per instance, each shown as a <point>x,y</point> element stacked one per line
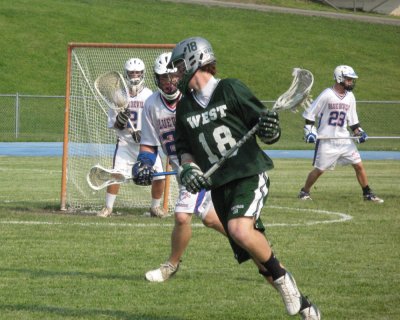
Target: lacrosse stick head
<point>99,177</point>
<point>298,93</point>
<point>113,90</point>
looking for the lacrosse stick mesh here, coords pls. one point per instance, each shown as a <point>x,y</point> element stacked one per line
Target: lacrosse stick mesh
<point>99,178</point>
<point>112,88</point>
<point>298,93</point>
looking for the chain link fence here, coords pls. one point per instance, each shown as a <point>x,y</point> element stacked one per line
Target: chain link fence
<point>40,118</point>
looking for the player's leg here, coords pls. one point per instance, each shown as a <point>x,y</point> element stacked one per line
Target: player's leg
<point>157,190</point>
<point>362,179</point>
<point>120,161</point>
<point>204,209</point>
<point>245,201</point>
<point>180,238</point>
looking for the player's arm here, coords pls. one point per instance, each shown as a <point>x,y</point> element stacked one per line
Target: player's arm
<point>142,170</point>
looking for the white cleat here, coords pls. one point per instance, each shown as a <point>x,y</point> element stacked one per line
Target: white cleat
<point>372,197</point>
<point>163,273</point>
<point>290,294</point>
<point>105,212</point>
<point>310,313</point>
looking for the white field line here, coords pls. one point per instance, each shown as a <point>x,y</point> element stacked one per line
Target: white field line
<point>341,217</point>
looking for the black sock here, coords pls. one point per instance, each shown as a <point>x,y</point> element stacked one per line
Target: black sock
<point>274,267</point>
<point>366,190</point>
<point>305,303</point>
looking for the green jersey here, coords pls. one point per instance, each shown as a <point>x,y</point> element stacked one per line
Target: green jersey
<point>208,133</point>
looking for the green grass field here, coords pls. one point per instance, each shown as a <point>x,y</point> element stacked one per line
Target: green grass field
<point>67,266</point>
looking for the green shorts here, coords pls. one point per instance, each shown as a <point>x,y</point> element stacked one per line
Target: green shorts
<point>241,198</point>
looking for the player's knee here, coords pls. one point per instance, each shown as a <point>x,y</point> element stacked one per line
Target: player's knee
<point>182,218</point>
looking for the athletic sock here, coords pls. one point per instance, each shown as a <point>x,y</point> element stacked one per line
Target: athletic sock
<point>274,267</point>
<point>155,203</point>
<point>110,199</point>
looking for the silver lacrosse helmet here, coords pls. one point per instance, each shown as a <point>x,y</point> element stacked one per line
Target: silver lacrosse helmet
<point>134,71</point>
<point>166,78</point>
<point>188,56</point>
<point>341,73</point>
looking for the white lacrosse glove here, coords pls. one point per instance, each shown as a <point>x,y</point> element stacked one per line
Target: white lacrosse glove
<point>191,176</point>
<point>269,130</point>
<point>310,133</point>
<point>362,136</point>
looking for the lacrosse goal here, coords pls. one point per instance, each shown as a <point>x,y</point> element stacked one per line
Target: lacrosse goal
<point>87,139</point>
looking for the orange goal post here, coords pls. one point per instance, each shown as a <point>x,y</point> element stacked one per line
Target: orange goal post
<point>87,139</point>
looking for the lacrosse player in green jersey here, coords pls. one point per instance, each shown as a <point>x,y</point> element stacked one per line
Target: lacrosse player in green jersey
<point>213,115</point>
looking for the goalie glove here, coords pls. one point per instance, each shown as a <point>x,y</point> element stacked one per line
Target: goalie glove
<point>142,170</point>
<point>191,176</point>
<point>310,133</point>
<point>122,119</point>
<point>136,135</point>
<point>362,135</point>
<point>269,130</point>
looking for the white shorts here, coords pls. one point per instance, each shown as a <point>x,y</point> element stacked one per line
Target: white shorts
<point>198,204</point>
<point>329,153</point>
<point>125,156</point>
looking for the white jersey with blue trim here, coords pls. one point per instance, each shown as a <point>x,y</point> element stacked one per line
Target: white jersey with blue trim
<point>334,112</point>
<point>158,126</point>
<point>136,105</point>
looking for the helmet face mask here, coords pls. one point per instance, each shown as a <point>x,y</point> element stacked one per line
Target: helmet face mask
<point>345,76</point>
<point>134,71</point>
<point>166,78</point>
<point>188,56</point>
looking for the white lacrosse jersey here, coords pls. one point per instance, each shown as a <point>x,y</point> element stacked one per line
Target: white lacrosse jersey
<point>135,105</point>
<point>334,113</point>
<point>158,127</point>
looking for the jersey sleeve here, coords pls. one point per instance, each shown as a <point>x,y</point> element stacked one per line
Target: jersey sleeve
<point>149,122</point>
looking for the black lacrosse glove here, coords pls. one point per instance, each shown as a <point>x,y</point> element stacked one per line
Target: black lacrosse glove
<point>191,176</point>
<point>142,170</point>
<point>269,130</point>
<point>122,119</point>
<point>136,135</point>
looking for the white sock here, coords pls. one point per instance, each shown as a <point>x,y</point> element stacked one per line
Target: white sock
<point>110,199</point>
<point>155,202</point>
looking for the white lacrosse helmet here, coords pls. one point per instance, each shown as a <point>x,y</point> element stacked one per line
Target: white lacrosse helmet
<point>342,72</point>
<point>136,80</point>
<point>168,89</point>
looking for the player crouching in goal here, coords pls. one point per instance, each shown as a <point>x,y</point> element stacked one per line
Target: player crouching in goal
<point>335,109</point>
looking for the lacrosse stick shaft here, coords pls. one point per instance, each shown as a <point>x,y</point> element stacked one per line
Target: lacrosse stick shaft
<point>354,138</point>
<point>225,157</point>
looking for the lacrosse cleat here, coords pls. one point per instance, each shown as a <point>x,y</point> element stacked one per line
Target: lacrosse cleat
<point>304,195</point>
<point>158,212</point>
<point>290,294</point>
<point>105,212</point>
<point>370,196</point>
<point>163,273</point>
<point>310,313</point>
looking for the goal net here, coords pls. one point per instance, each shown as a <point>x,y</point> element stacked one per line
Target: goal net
<point>87,139</point>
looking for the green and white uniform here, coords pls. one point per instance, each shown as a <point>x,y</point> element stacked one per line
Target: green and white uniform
<point>208,130</point>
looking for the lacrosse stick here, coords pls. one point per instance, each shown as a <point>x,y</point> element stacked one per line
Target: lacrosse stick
<point>354,137</point>
<point>297,95</point>
<point>99,177</point>
<point>112,88</point>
